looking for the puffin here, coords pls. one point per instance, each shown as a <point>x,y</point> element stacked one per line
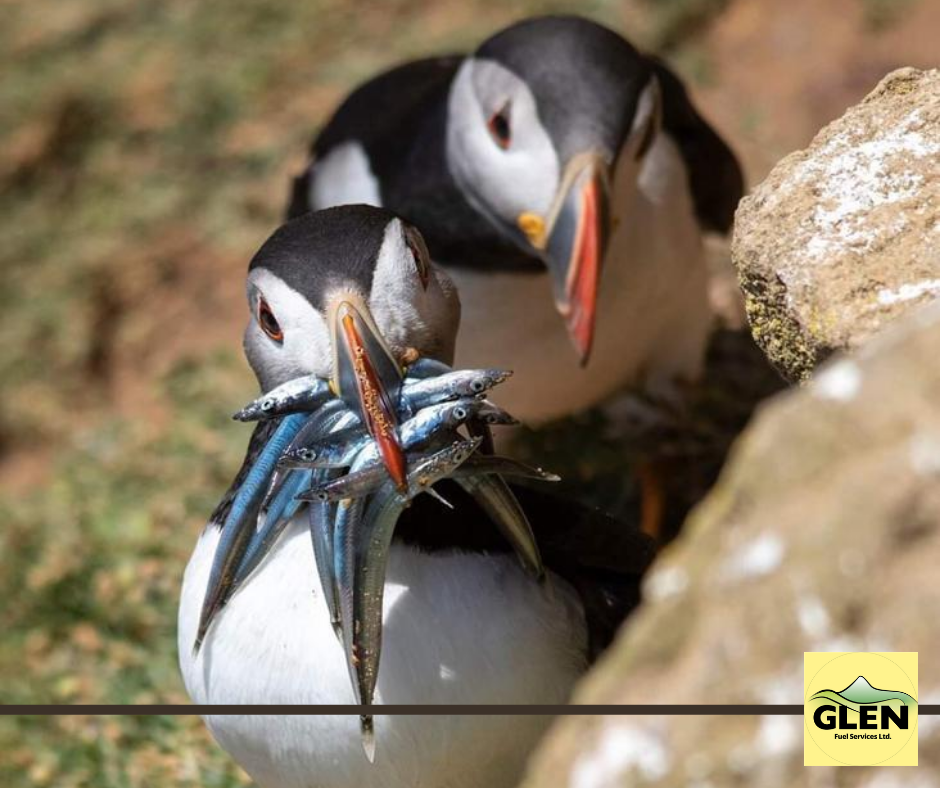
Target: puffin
<point>564,181</point>
<point>463,622</point>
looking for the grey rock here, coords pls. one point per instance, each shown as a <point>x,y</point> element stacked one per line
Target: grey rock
<point>843,237</point>
<point>823,534</point>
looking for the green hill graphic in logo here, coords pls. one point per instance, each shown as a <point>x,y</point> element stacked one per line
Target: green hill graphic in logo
<point>860,692</point>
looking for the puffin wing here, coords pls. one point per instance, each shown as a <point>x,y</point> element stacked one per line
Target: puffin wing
<point>715,177</point>
<point>381,115</point>
<point>603,558</point>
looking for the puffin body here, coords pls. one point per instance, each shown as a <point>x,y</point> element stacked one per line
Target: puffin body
<point>564,181</point>
<point>463,622</point>
<point>459,629</point>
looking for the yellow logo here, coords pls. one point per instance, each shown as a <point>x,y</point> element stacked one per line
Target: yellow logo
<point>860,708</point>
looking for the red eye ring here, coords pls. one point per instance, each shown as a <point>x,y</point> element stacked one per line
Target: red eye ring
<point>499,127</point>
<point>268,322</point>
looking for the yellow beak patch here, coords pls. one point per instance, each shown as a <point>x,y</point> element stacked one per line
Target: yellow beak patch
<point>533,226</point>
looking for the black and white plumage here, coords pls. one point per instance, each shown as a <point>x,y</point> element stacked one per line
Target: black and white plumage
<point>463,622</point>
<point>556,169</point>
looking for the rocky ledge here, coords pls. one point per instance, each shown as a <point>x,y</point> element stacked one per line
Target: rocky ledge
<point>844,236</point>
<point>823,531</point>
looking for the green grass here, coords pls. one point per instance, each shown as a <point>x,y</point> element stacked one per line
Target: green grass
<point>144,154</point>
<point>90,570</point>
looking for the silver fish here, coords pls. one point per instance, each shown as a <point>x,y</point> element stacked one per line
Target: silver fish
<point>426,367</point>
<point>238,528</point>
<point>368,480</point>
<point>352,485</point>
<point>306,393</point>
<point>495,416</point>
<point>445,416</point>
<point>364,638</point>
<point>346,527</point>
<point>272,524</point>
<point>450,386</point>
<point>489,464</point>
<point>334,415</point>
<point>281,501</point>
<point>321,518</point>
<point>336,450</point>
<point>497,500</point>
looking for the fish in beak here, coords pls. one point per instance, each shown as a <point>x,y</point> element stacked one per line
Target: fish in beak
<point>573,241</point>
<point>368,379</point>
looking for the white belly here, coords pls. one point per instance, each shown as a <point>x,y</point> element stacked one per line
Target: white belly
<point>459,628</point>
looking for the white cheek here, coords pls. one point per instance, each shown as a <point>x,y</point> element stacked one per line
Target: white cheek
<point>306,348</point>
<point>397,296</point>
<point>307,344</point>
<point>408,315</point>
<point>508,182</point>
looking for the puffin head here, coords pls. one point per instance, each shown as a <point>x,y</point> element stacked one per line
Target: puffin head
<point>349,294</point>
<point>538,118</point>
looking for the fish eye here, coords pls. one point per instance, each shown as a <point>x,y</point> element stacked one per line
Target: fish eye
<point>323,497</point>
<point>477,386</point>
<point>308,455</point>
<point>499,127</point>
<point>268,322</point>
<point>419,252</point>
<point>491,419</point>
<point>267,405</point>
<point>460,413</point>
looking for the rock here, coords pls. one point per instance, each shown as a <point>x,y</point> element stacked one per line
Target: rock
<point>823,534</point>
<point>843,237</point>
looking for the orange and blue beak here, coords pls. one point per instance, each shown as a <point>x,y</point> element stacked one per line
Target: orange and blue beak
<point>368,379</point>
<point>573,242</point>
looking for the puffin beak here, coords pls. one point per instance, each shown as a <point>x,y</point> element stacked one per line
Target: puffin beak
<point>573,247</point>
<point>368,379</point>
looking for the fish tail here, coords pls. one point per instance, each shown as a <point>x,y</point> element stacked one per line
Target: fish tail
<point>367,731</point>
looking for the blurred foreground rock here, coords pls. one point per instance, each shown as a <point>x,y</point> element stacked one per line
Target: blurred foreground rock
<point>823,534</point>
<point>844,236</point>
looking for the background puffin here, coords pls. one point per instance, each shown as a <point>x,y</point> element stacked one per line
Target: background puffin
<point>463,621</point>
<point>556,170</point>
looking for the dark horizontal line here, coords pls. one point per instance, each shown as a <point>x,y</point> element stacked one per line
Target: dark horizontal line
<point>423,710</point>
<point>418,709</point>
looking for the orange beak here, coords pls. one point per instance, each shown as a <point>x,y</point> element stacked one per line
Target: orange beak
<point>575,250</point>
<point>368,379</point>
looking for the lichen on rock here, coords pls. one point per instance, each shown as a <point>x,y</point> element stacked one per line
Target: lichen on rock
<point>844,237</point>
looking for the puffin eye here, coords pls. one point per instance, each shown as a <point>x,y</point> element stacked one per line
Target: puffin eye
<point>268,322</point>
<point>499,128</point>
<point>419,251</point>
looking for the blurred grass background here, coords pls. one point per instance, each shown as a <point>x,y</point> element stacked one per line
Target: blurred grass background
<point>145,152</point>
